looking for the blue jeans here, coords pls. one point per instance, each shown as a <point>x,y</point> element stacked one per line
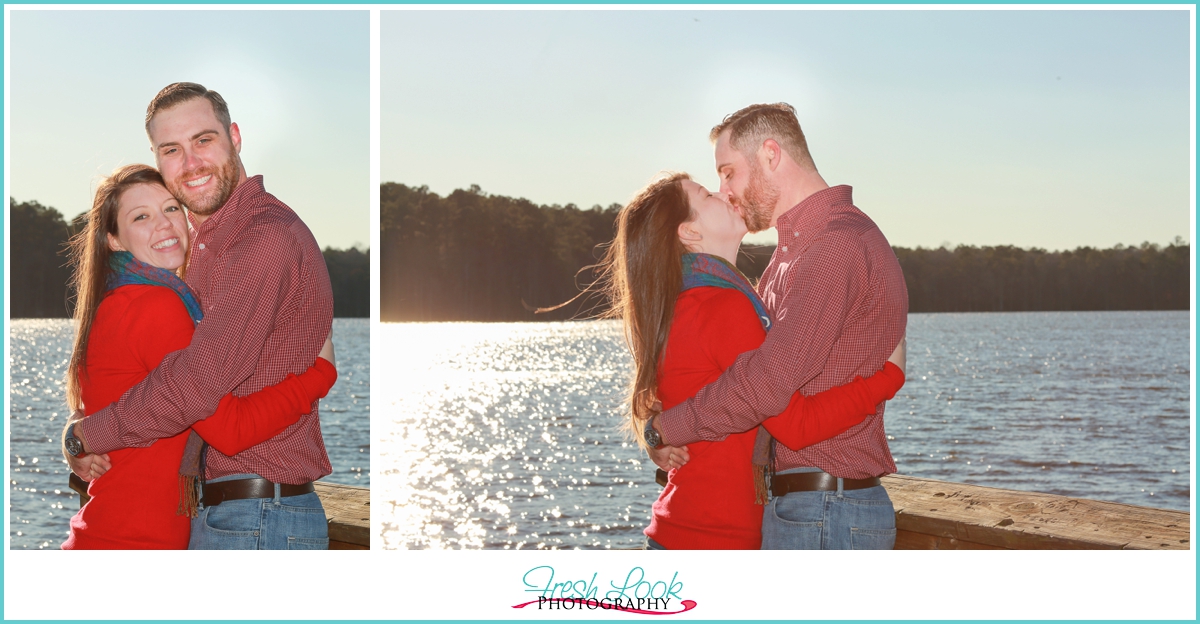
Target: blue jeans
<point>279,523</point>
<point>652,545</point>
<point>841,520</point>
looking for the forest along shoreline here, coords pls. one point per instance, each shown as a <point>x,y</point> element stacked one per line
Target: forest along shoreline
<point>40,272</point>
<point>472,256</point>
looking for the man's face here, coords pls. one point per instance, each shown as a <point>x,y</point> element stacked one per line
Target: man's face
<point>746,184</point>
<point>197,158</point>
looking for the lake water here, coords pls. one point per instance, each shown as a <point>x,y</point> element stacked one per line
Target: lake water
<point>504,435</point>
<point>40,502</point>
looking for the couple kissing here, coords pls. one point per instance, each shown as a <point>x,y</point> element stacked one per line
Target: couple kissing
<point>764,404</point>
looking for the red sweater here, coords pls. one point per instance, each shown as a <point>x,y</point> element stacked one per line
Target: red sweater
<point>133,505</point>
<point>709,502</point>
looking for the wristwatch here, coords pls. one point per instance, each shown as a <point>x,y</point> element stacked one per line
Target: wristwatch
<point>653,437</point>
<point>74,445</point>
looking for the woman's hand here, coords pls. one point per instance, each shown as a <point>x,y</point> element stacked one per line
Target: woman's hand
<point>900,355</point>
<point>327,350</point>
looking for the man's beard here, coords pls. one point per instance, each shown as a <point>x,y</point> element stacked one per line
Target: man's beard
<point>225,176</point>
<point>758,202</point>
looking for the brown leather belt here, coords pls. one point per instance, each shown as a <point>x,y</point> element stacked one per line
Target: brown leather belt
<point>239,489</point>
<point>782,484</point>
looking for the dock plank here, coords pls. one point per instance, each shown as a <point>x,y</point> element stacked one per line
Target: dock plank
<point>349,511</point>
<point>944,515</point>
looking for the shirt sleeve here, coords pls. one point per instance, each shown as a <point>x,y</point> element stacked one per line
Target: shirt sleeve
<point>242,422</point>
<point>807,323</point>
<point>255,276</point>
<point>811,419</point>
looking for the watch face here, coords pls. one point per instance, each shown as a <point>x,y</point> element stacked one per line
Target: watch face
<point>652,437</point>
<point>74,446</point>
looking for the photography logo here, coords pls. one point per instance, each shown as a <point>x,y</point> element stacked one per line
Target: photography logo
<point>635,594</point>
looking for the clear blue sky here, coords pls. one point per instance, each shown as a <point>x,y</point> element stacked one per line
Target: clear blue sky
<point>297,84</point>
<point>1052,129</point>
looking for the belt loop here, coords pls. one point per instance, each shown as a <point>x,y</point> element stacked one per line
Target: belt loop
<point>278,488</point>
<point>839,490</point>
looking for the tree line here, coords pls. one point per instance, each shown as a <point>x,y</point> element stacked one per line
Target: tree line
<point>39,270</point>
<point>471,256</point>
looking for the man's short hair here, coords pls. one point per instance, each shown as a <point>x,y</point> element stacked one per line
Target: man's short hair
<point>749,127</point>
<point>177,93</point>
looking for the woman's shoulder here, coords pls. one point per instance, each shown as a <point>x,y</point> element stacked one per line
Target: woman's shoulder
<point>711,314</point>
<point>715,301</point>
<point>139,302</point>
<point>142,296</point>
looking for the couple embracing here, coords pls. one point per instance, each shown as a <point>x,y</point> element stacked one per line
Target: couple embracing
<point>773,423</point>
<point>201,351</point>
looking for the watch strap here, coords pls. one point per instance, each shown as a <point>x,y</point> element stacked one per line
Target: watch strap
<point>74,445</point>
<point>653,437</point>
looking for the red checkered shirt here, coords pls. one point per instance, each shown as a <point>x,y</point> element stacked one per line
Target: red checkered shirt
<point>840,306</point>
<point>268,307</point>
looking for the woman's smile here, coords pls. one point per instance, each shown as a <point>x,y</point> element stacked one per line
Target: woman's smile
<point>151,225</point>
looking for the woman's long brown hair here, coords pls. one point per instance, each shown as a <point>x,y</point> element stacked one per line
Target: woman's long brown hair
<point>89,254</point>
<point>642,275</point>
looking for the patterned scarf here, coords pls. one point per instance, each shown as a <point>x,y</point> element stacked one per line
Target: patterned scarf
<point>128,270</point>
<point>709,270</point>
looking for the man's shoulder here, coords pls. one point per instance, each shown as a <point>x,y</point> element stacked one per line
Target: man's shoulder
<point>273,226</point>
<point>849,220</point>
<point>849,230</point>
<point>260,211</point>
<point>842,236</point>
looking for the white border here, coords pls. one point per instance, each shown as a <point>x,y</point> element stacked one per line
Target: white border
<point>455,585</point>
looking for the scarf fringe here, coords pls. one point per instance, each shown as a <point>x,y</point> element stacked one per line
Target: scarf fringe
<point>189,499</point>
<point>760,484</point>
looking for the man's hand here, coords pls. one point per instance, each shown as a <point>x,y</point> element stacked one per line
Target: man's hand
<point>669,457</point>
<point>71,422</point>
<point>89,467</point>
<point>899,357</point>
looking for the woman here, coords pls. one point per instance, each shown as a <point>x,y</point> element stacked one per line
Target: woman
<point>131,310</point>
<point>688,314</point>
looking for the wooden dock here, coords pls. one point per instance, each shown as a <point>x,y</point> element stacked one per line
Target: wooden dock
<point>939,515</point>
<point>347,508</point>
<point>930,515</point>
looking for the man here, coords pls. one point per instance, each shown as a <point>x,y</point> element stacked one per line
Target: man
<point>268,307</point>
<point>840,305</point>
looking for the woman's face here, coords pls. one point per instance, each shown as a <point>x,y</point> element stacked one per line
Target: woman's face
<point>151,226</point>
<point>714,218</point>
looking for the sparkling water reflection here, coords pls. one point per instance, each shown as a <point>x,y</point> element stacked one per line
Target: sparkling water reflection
<point>505,435</point>
<point>39,499</point>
